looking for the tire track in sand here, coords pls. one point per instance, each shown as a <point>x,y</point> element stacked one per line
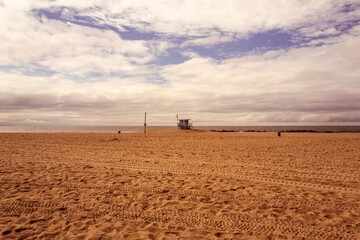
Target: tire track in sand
<point>223,196</point>
<point>224,222</point>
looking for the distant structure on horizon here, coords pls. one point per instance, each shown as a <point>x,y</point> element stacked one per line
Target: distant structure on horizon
<point>183,124</point>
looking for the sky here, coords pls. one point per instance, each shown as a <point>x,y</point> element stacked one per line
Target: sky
<point>228,62</point>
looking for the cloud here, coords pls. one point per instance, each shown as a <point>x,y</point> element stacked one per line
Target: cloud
<point>69,49</point>
<point>207,41</point>
<point>33,121</point>
<point>200,18</point>
<point>97,62</point>
<point>301,85</point>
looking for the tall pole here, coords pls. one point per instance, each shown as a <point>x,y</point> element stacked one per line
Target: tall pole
<point>145,124</point>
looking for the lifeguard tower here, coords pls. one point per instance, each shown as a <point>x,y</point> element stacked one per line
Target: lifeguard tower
<point>184,124</point>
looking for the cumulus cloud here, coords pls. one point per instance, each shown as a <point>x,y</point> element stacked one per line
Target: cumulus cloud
<point>64,70</point>
<point>71,49</point>
<point>308,84</point>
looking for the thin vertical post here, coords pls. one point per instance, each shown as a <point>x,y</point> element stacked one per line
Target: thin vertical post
<point>145,124</point>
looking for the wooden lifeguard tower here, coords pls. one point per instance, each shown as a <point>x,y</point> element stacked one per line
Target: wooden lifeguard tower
<point>184,124</point>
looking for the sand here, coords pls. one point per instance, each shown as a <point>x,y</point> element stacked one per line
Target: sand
<point>173,184</point>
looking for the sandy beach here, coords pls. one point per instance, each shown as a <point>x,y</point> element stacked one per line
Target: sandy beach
<point>172,184</point>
